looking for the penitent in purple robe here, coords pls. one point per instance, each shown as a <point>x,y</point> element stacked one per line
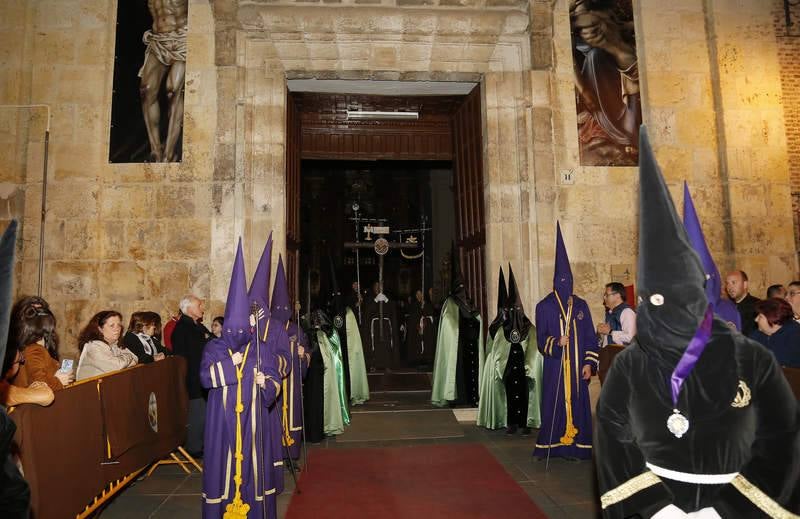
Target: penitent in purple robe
<point>563,388</point>
<point>294,387</point>
<point>218,375</point>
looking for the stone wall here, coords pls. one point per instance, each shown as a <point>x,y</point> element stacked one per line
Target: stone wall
<point>787,32</point>
<point>138,236</point>
<point>123,236</point>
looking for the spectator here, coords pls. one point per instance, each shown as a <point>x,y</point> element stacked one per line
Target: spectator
<point>778,291</point>
<point>10,395</point>
<point>188,340</point>
<point>13,325</point>
<point>736,285</point>
<point>620,323</point>
<point>141,337</point>
<point>216,326</point>
<point>778,331</point>
<point>36,328</point>
<point>169,328</point>
<point>98,344</point>
<point>793,298</point>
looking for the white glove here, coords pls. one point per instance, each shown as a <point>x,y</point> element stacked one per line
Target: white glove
<point>706,513</point>
<point>670,512</point>
<point>261,380</point>
<point>237,358</point>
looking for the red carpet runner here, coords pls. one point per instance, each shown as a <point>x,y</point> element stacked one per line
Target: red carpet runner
<point>420,482</point>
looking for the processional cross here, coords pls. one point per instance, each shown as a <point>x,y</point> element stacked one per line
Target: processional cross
<point>381,246</point>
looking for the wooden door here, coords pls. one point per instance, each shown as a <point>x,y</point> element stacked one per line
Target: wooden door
<point>468,177</point>
<point>292,196</point>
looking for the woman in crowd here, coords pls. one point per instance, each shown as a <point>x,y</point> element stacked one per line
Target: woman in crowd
<point>778,331</point>
<point>142,338</point>
<point>38,393</point>
<point>98,344</point>
<point>38,340</point>
<point>216,326</point>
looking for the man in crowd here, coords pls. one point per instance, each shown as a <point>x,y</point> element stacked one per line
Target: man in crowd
<point>793,297</point>
<point>188,339</point>
<point>620,324</point>
<point>737,286</point>
<point>778,291</point>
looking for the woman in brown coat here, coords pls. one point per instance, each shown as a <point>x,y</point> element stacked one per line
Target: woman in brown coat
<point>39,344</point>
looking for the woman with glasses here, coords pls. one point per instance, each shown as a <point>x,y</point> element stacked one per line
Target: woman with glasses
<point>38,340</point>
<point>99,346</point>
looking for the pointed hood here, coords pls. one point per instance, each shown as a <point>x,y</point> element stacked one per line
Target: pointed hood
<point>236,330</point>
<point>7,251</point>
<point>670,278</point>
<point>336,302</point>
<point>502,297</point>
<point>280,306</point>
<point>517,324</point>
<point>562,274</point>
<point>458,290</point>
<point>259,287</point>
<point>698,241</point>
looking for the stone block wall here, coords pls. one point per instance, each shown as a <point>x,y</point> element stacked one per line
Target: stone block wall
<point>787,33</point>
<point>123,236</point>
<point>138,236</point>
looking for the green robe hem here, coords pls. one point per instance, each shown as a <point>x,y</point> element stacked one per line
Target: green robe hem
<point>444,365</point>
<point>359,381</point>
<point>492,408</point>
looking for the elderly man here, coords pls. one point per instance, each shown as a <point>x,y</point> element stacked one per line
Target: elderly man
<point>737,287</point>
<point>188,339</point>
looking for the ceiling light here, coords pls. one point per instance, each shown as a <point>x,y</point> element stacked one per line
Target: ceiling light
<point>353,115</point>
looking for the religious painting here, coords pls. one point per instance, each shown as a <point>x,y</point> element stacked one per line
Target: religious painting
<point>149,74</point>
<point>606,82</point>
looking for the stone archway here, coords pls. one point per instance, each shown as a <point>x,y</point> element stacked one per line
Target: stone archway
<point>279,42</point>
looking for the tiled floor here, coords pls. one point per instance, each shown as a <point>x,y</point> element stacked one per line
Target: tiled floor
<point>566,490</point>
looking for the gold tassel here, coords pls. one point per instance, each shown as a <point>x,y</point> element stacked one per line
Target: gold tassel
<point>237,509</point>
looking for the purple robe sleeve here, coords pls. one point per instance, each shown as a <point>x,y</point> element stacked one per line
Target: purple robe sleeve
<point>589,348</point>
<point>216,367</point>
<point>547,330</point>
<point>280,349</point>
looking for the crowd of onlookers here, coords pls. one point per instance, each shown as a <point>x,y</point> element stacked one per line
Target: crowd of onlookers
<point>33,370</point>
<point>773,321</point>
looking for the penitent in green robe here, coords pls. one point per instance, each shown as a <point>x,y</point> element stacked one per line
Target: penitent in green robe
<point>444,365</point>
<point>359,385</point>
<point>492,409</point>
<point>335,413</point>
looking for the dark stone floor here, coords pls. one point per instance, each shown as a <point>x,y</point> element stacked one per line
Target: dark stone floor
<point>566,490</point>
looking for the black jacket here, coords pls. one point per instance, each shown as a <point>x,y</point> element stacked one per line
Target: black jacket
<point>134,344</point>
<point>747,309</point>
<point>188,340</point>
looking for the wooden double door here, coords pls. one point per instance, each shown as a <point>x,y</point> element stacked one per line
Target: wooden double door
<point>448,128</point>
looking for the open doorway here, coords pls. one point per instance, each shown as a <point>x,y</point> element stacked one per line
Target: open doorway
<point>414,200</point>
<point>421,178</point>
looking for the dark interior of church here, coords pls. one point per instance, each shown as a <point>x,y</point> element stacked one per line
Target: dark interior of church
<point>413,198</point>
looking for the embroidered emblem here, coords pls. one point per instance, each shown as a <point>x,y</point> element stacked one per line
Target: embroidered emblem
<point>742,396</point>
<point>657,299</point>
<point>338,321</point>
<point>580,315</point>
<point>515,336</point>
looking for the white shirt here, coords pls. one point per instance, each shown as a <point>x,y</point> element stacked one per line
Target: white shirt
<point>628,321</point>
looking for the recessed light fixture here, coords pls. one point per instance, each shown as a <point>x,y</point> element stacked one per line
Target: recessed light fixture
<point>406,116</point>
